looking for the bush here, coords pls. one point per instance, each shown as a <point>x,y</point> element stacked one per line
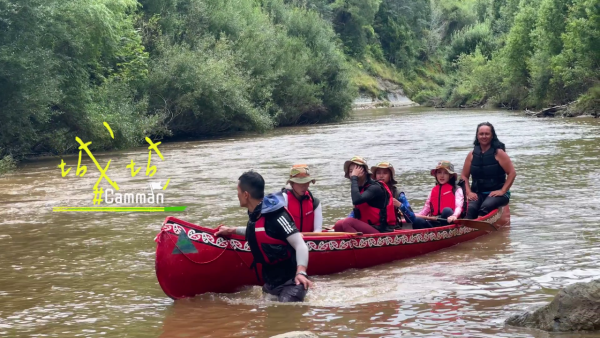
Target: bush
<point>577,67</point>
<point>56,60</point>
<point>7,164</point>
<point>589,103</point>
<point>469,38</point>
<point>202,91</point>
<point>254,66</point>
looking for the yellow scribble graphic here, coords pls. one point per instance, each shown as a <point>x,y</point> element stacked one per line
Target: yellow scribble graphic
<point>132,167</point>
<point>62,168</point>
<point>155,148</point>
<point>109,130</point>
<point>103,174</point>
<point>82,169</point>
<point>150,170</point>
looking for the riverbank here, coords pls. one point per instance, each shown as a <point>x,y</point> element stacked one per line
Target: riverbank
<point>391,96</point>
<point>383,93</point>
<point>573,109</point>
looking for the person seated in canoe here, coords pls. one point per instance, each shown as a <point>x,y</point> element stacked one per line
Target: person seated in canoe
<point>445,200</point>
<point>302,205</point>
<point>274,240</point>
<point>492,170</point>
<point>373,202</point>
<point>385,172</point>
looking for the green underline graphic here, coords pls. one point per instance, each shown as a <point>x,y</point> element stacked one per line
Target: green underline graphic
<point>118,209</point>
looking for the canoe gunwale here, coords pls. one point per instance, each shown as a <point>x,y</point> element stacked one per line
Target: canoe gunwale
<point>203,235</point>
<point>202,262</point>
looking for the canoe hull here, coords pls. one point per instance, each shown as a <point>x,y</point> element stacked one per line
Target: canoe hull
<point>190,260</point>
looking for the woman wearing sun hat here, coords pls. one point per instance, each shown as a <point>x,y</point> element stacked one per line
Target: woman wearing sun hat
<point>385,172</point>
<point>302,205</point>
<point>446,199</point>
<point>373,201</point>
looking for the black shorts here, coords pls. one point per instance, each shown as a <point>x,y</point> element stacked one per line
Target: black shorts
<point>287,292</point>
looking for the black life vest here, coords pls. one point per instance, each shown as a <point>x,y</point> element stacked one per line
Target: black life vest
<point>487,172</point>
<point>266,249</point>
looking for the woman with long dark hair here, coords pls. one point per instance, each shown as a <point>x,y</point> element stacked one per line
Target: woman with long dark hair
<point>384,172</point>
<point>373,201</point>
<point>492,170</point>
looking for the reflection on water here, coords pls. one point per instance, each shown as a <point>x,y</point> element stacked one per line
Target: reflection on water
<point>93,274</point>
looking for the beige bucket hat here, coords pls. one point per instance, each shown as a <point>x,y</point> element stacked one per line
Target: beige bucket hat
<point>444,165</point>
<point>384,165</point>
<point>356,160</point>
<point>300,174</point>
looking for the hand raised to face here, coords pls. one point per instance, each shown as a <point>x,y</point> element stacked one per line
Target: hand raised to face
<point>357,171</point>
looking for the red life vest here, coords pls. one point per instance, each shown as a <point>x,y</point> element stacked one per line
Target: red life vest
<point>442,197</point>
<point>266,249</point>
<point>302,211</point>
<point>372,215</point>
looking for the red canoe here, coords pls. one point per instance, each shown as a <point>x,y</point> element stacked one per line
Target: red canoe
<point>190,260</point>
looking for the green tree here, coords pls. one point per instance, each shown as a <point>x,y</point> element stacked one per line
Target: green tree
<point>577,68</point>
<point>401,27</point>
<point>547,43</point>
<point>56,59</point>
<point>515,57</point>
<point>353,21</point>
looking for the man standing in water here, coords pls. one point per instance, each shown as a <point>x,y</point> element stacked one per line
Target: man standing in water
<point>274,240</point>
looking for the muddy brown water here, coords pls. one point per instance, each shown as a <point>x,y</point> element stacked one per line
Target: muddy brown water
<point>92,274</point>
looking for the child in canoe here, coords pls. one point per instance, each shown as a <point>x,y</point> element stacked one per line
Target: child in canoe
<point>445,200</point>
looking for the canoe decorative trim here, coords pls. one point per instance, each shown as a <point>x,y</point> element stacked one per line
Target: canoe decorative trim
<point>206,238</point>
<point>326,245</point>
<point>373,242</point>
<point>495,217</point>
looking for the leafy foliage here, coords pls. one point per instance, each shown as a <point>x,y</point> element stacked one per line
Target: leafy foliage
<point>162,68</point>
<point>171,68</point>
<point>518,54</point>
<point>59,60</point>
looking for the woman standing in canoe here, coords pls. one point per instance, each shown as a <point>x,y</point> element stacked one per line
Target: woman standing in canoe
<point>373,202</point>
<point>492,170</point>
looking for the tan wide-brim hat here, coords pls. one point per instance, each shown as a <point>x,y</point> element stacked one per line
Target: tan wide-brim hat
<point>447,165</point>
<point>356,160</point>
<point>384,165</point>
<point>300,174</point>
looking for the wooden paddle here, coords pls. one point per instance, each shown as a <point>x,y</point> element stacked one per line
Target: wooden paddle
<point>326,234</point>
<point>471,223</point>
<point>479,225</point>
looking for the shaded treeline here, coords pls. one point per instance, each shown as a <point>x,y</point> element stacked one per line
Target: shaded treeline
<point>507,53</point>
<point>161,68</point>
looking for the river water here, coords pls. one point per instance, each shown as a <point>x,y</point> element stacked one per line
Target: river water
<point>92,274</point>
